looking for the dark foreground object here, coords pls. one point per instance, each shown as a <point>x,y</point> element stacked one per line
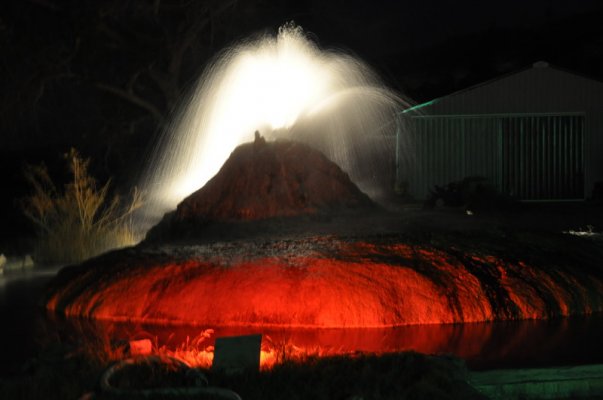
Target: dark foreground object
<point>394,376</point>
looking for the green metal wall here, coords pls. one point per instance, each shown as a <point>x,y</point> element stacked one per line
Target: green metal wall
<point>532,157</point>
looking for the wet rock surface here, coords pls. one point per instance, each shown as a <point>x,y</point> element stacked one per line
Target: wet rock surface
<point>281,237</point>
<point>335,281</point>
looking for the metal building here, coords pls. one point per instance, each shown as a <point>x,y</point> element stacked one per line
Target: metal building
<point>536,134</point>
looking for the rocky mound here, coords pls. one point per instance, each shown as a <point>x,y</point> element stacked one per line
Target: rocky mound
<point>328,283</point>
<point>367,276</point>
<point>264,180</point>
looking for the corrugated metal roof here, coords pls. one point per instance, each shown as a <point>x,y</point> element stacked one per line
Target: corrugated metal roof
<point>541,88</point>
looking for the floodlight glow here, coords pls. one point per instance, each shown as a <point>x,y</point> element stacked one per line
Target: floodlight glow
<point>283,86</point>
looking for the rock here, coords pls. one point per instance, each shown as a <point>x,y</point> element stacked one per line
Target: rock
<point>263,180</point>
<point>328,282</point>
<point>266,180</point>
<point>28,262</point>
<point>16,263</point>
<point>337,278</point>
<point>2,263</point>
<point>142,347</point>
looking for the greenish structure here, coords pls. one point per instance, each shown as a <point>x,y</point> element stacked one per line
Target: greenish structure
<point>584,381</point>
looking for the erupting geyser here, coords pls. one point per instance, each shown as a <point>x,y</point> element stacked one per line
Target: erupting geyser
<point>285,87</point>
<point>281,236</point>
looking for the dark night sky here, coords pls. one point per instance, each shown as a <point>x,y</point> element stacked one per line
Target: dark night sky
<point>404,39</point>
<point>383,26</point>
<point>423,48</point>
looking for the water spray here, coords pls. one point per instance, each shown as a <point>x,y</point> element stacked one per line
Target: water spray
<point>285,86</point>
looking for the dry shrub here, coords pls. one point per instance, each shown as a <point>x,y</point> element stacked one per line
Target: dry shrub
<point>80,221</point>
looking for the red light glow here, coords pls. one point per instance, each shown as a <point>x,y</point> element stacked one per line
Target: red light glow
<point>478,343</point>
<point>364,285</point>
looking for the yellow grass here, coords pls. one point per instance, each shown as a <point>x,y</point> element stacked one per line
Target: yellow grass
<point>81,220</point>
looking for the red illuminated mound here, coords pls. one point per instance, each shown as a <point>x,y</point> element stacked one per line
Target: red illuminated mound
<point>266,189</point>
<point>278,179</point>
<point>322,282</point>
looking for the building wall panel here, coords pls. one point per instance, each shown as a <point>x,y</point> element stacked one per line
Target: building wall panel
<point>535,91</point>
<point>531,157</point>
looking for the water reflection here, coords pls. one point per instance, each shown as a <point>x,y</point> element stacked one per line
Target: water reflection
<point>483,345</point>
<point>26,329</point>
<point>21,315</point>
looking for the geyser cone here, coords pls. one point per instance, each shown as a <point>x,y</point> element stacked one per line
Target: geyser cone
<point>266,181</point>
<point>274,179</point>
<point>286,87</point>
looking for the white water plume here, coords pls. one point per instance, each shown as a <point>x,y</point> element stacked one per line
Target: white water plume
<point>285,87</point>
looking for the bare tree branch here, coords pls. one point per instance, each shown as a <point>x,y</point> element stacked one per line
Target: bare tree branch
<point>191,34</point>
<point>134,99</point>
